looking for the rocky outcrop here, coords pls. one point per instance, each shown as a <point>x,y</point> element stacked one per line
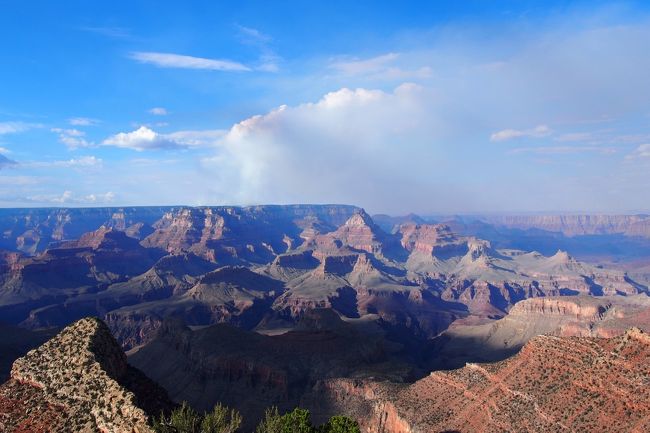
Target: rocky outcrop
<point>431,239</point>
<point>189,229</point>
<point>78,381</point>
<point>554,384</point>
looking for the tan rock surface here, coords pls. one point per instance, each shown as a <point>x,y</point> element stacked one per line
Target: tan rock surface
<point>75,383</point>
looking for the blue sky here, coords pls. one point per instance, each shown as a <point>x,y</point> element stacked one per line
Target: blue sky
<point>395,106</point>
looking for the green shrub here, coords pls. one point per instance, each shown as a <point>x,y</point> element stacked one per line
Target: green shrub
<point>221,420</point>
<point>184,419</point>
<point>298,421</point>
<point>272,422</point>
<point>340,424</point>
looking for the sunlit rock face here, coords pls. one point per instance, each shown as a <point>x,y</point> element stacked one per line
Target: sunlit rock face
<point>79,381</point>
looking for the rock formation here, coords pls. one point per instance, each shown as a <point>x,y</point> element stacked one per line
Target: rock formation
<point>584,316</point>
<point>251,371</point>
<point>554,384</point>
<point>78,381</point>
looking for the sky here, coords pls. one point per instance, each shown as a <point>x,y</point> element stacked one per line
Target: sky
<point>398,107</point>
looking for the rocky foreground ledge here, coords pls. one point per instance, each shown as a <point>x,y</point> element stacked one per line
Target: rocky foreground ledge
<point>554,384</point>
<point>79,381</point>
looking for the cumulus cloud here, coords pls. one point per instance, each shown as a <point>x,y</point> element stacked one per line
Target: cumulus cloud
<point>141,139</point>
<point>351,144</point>
<point>170,60</point>
<point>145,138</point>
<point>158,111</point>
<point>509,134</point>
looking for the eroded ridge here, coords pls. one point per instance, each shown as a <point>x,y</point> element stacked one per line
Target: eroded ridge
<point>555,384</point>
<point>73,383</point>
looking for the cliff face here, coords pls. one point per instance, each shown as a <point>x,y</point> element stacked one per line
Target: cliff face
<point>252,372</point>
<point>566,316</point>
<point>78,381</point>
<point>232,234</point>
<point>577,225</point>
<point>554,384</point>
<point>33,230</point>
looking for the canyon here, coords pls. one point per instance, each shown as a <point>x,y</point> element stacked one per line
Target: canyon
<point>320,306</point>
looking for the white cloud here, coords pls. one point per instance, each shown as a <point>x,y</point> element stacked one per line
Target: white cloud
<point>351,146</point>
<point>268,60</point>
<point>107,197</point>
<point>170,60</point>
<point>72,138</point>
<point>81,162</point>
<point>356,66</point>
<point>643,151</point>
<point>69,197</point>
<point>145,138</point>
<point>16,127</point>
<point>82,121</point>
<point>509,134</point>
<point>66,196</point>
<point>158,111</point>
<point>269,63</point>
<point>4,150</point>
<point>200,138</point>
<point>253,36</point>
<point>379,67</point>
<point>141,139</point>
<point>84,161</point>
